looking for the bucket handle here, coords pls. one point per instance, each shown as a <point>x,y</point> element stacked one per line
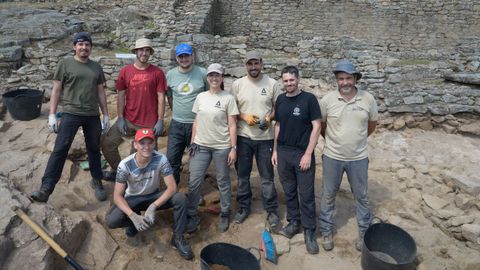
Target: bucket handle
<point>259,253</point>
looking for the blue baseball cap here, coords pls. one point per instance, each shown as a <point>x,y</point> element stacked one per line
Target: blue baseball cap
<point>347,67</point>
<point>183,48</point>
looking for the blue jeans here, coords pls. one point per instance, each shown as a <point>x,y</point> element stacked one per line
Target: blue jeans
<point>357,174</point>
<point>179,136</point>
<point>297,185</point>
<point>262,150</point>
<point>116,218</point>
<point>198,166</point>
<point>69,125</point>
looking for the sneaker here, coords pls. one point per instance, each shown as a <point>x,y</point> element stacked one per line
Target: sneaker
<point>223,224</point>
<point>192,224</point>
<point>311,241</point>
<point>179,243</point>
<point>359,244</point>
<point>327,242</point>
<point>241,215</point>
<point>99,191</point>
<point>109,175</point>
<point>40,195</point>
<point>291,229</point>
<point>273,219</point>
<point>131,231</point>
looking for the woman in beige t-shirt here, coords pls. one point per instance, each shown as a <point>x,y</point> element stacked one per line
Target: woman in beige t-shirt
<point>214,137</point>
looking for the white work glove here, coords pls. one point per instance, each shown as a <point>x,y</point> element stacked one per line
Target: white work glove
<point>105,123</point>
<point>150,214</point>
<point>138,222</point>
<point>52,123</point>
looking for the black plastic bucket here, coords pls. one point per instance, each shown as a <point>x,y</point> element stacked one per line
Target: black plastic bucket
<point>388,247</point>
<point>231,256</point>
<point>23,104</point>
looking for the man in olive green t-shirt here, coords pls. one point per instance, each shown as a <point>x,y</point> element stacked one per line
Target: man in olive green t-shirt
<point>78,84</point>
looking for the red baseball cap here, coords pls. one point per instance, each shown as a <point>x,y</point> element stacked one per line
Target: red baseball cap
<point>144,133</point>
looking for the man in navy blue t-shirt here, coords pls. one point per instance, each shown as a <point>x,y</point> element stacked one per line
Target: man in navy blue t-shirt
<point>297,129</point>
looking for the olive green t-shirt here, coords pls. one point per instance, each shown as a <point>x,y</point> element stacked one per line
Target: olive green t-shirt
<point>79,86</point>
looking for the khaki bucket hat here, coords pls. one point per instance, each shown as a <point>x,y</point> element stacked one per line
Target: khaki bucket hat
<point>142,43</point>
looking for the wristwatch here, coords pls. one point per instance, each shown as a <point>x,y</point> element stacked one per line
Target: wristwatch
<point>234,147</point>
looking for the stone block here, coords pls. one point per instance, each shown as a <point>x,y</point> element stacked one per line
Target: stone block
<point>460,220</point>
<point>282,244</point>
<point>434,202</point>
<point>471,232</point>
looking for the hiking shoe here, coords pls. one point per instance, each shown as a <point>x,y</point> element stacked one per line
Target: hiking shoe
<point>179,243</point>
<point>40,195</point>
<point>223,223</point>
<point>291,229</point>
<point>273,219</point>
<point>327,242</point>
<point>311,241</point>
<point>192,224</point>
<point>359,244</point>
<point>131,231</point>
<point>241,215</point>
<point>97,185</point>
<point>110,176</point>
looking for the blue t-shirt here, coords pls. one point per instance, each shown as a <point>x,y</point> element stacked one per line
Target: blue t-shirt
<point>184,88</point>
<point>295,115</point>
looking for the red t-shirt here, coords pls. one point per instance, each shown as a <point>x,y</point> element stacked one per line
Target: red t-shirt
<point>141,86</point>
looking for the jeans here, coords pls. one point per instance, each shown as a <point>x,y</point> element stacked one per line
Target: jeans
<point>357,174</point>
<point>66,133</point>
<point>262,150</point>
<point>116,218</point>
<point>297,183</point>
<point>198,166</point>
<point>179,136</point>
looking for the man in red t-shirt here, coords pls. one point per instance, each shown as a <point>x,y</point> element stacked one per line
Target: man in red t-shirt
<point>141,90</point>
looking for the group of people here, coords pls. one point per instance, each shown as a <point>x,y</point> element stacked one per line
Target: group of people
<point>278,124</point>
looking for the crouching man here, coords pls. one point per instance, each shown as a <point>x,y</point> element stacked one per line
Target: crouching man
<point>137,188</point>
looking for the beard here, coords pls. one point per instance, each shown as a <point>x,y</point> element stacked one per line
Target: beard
<point>347,90</point>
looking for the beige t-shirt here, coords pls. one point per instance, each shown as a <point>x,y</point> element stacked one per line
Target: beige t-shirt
<point>257,98</point>
<point>347,124</point>
<point>212,111</point>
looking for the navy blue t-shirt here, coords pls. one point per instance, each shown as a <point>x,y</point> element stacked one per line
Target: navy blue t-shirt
<point>295,115</point>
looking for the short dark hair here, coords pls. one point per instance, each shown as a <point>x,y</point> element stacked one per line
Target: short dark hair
<point>292,70</point>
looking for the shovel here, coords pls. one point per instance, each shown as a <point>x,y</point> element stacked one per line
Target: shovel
<point>40,232</point>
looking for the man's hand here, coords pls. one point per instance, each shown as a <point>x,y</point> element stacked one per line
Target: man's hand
<point>193,149</point>
<point>232,157</point>
<point>52,123</point>
<point>138,222</point>
<point>158,128</point>
<point>305,162</point>
<point>250,119</point>
<point>274,158</point>
<point>150,214</point>
<point>105,123</point>
<point>122,125</point>
<point>264,123</point>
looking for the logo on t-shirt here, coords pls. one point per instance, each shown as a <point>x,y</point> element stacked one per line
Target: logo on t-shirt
<point>296,111</point>
<point>264,92</point>
<point>218,105</point>
<point>185,88</point>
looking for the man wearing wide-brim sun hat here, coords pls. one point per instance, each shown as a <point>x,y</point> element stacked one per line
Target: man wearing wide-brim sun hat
<point>141,90</point>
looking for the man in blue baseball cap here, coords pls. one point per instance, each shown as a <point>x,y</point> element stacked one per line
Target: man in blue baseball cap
<point>184,82</point>
<point>349,116</point>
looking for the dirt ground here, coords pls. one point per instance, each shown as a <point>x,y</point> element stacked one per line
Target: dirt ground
<point>396,200</point>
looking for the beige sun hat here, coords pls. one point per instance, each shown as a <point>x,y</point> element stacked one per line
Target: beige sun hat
<point>142,43</point>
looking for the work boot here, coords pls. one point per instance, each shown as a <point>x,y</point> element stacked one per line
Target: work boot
<point>192,224</point>
<point>110,176</point>
<point>359,244</point>
<point>40,195</point>
<point>97,185</point>
<point>311,241</point>
<point>291,229</point>
<point>327,242</point>
<point>131,231</point>
<point>179,243</point>
<point>223,224</point>
<point>241,215</point>
<point>273,219</point>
